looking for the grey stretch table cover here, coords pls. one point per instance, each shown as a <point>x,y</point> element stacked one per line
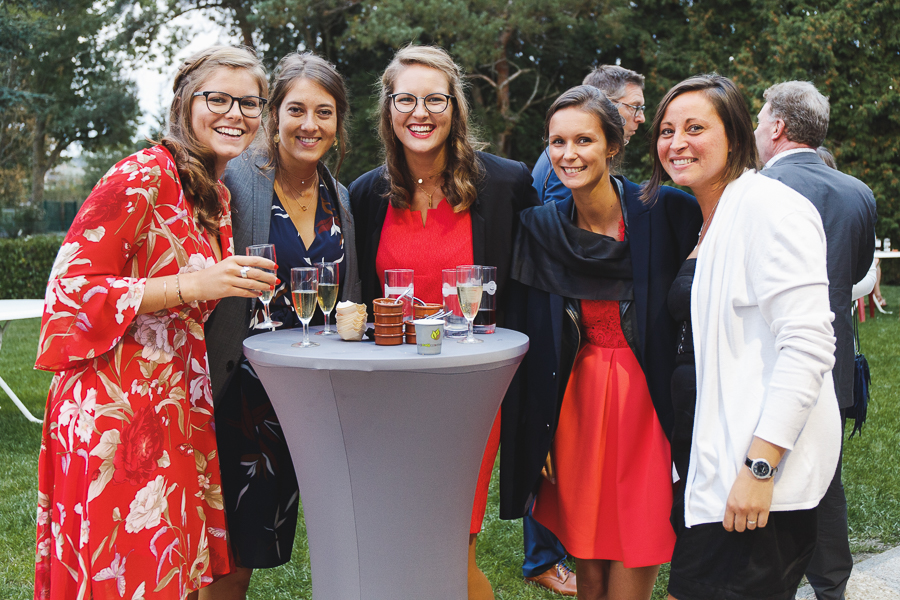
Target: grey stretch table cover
<point>387,446</point>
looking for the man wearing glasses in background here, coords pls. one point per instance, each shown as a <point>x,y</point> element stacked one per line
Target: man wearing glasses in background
<point>544,554</point>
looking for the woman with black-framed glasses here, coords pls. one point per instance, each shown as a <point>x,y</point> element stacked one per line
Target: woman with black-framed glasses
<point>437,203</point>
<point>130,497</point>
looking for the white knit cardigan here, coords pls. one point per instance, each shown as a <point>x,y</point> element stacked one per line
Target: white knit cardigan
<point>764,349</point>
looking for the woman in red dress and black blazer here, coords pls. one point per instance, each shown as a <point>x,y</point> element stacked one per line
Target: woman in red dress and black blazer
<point>437,203</point>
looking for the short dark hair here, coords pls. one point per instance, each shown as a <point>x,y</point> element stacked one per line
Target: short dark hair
<point>612,80</point>
<point>804,110</point>
<point>730,107</point>
<point>594,102</point>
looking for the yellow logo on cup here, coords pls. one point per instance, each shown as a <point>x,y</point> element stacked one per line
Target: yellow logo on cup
<point>436,334</point>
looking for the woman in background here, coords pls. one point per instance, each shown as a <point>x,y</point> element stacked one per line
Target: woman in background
<point>129,500</point>
<point>758,445</point>
<point>283,195</point>
<point>436,204</point>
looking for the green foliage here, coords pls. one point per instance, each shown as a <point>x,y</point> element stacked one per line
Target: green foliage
<point>61,84</point>
<point>870,477</point>
<point>26,265</point>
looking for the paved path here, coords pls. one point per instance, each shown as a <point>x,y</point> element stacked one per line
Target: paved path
<point>876,578</point>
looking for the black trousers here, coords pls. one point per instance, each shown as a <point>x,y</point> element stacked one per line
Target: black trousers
<point>831,563</point>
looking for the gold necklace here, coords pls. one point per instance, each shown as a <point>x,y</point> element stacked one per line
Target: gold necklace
<point>431,195</point>
<point>300,194</point>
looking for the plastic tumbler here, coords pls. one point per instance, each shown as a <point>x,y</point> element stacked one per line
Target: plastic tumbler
<point>456,322</point>
<point>398,282</point>
<point>486,319</point>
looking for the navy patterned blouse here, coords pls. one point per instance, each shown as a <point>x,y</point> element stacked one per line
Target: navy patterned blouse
<point>328,246</point>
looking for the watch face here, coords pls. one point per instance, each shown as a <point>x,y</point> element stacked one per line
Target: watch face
<point>761,469</point>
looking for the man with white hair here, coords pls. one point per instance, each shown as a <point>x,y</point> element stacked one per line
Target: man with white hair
<point>792,124</point>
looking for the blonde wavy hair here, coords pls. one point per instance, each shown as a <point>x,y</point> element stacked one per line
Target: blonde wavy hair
<point>462,170</point>
<point>196,163</point>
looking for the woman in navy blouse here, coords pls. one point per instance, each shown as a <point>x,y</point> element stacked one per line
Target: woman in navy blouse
<point>284,196</point>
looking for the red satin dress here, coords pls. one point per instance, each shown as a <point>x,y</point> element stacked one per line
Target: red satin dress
<point>444,241</point>
<point>613,462</point>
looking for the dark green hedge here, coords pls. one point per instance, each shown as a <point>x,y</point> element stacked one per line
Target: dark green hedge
<point>26,264</point>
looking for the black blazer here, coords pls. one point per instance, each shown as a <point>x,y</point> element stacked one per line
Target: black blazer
<point>661,236</point>
<point>503,191</point>
<point>847,208</point>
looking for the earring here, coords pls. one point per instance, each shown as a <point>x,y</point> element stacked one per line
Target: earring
<point>336,144</point>
<point>276,139</point>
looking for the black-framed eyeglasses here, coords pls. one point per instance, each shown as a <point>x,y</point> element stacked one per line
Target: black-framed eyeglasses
<point>221,103</point>
<point>434,103</point>
<point>638,109</point>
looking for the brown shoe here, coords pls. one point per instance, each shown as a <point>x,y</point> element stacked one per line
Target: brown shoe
<point>558,578</point>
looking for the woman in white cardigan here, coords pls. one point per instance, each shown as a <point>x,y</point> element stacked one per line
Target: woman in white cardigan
<point>758,450</point>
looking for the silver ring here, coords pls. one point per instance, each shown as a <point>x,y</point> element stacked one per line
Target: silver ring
<point>751,522</point>
<point>244,270</point>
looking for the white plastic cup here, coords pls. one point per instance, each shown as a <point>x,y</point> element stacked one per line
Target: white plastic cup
<point>429,335</point>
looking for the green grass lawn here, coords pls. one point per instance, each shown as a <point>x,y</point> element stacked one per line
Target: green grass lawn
<point>871,476</point>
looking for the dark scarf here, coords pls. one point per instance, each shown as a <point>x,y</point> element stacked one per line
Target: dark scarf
<point>552,254</point>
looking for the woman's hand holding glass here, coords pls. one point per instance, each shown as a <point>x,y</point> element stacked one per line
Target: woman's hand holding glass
<point>224,279</point>
<point>266,251</point>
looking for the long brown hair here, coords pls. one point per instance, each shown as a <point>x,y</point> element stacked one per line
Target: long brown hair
<point>729,105</point>
<point>195,162</point>
<point>463,169</point>
<point>295,67</point>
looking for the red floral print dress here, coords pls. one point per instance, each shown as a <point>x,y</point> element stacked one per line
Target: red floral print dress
<point>129,497</point>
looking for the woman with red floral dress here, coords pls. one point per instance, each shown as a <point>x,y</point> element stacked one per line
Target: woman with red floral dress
<point>129,499</point>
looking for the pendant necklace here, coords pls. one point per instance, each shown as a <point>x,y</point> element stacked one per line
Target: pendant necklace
<point>297,195</point>
<point>431,195</point>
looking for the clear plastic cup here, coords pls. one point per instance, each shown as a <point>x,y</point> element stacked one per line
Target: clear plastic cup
<point>486,319</point>
<point>456,325</point>
<point>398,282</point>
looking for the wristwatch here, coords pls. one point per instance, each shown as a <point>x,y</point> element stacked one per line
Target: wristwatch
<point>760,468</point>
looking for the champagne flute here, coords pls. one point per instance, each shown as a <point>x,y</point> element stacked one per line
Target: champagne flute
<point>304,289</point>
<point>266,251</point>
<point>469,289</point>
<point>328,291</point>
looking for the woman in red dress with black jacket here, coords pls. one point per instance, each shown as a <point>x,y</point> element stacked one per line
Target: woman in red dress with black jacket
<point>590,279</point>
<point>437,203</point>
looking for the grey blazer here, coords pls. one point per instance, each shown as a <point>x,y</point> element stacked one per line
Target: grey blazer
<point>251,187</point>
<point>847,208</point>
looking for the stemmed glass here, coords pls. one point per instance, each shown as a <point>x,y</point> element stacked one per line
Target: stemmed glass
<point>469,289</point>
<point>266,251</point>
<point>304,288</point>
<point>328,291</point>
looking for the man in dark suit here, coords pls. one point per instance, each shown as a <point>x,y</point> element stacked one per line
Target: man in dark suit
<point>792,124</point>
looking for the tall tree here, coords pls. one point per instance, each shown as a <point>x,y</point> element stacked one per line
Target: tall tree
<point>69,82</point>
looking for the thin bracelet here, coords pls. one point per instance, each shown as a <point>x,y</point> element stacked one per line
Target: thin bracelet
<point>178,289</point>
<point>165,293</point>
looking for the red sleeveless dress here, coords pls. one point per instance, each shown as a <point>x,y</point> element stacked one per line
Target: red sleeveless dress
<point>444,241</point>
<point>613,462</point>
